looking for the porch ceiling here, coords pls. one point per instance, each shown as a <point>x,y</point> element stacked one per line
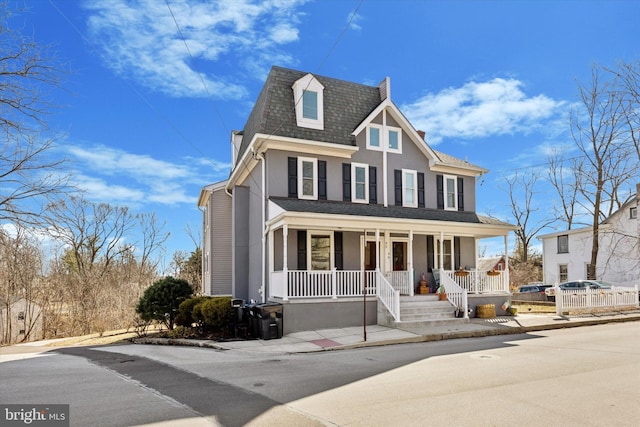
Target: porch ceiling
<point>354,216</point>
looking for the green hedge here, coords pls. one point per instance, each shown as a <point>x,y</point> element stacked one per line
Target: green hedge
<point>207,314</point>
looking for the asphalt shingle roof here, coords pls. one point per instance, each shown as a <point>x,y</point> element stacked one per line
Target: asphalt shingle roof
<point>358,209</point>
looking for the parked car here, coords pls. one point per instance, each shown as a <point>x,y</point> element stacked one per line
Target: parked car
<point>527,289</point>
<point>579,285</point>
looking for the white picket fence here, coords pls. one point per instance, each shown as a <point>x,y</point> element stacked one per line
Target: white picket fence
<point>586,300</point>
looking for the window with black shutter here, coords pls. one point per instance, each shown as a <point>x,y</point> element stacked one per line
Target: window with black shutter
<point>397,177</point>
<point>337,250</point>
<point>440,191</point>
<point>461,194</point>
<point>322,180</point>
<point>421,189</point>
<point>346,182</point>
<point>302,249</point>
<point>293,176</point>
<point>373,185</point>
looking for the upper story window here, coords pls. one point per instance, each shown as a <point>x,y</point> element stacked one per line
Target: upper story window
<point>391,140</point>
<point>409,188</point>
<point>633,212</point>
<point>309,101</point>
<point>451,192</point>
<point>360,182</point>
<point>307,187</point>
<point>563,244</point>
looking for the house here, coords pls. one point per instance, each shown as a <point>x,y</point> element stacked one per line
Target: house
<point>336,205</point>
<point>496,263</point>
<point>20,320</point>
<point>567,254</point>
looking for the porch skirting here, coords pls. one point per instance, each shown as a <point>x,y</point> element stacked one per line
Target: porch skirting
<point>307,315</point>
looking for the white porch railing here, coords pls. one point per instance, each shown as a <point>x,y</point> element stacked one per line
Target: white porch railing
<point>401,281</point>
<point>480,282</point>
<point>588,299</point>
<point>455,293</point>
<point>321,284</point>
<point>389,296</point>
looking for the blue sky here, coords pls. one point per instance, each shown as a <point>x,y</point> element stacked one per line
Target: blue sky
<point>147,117</point>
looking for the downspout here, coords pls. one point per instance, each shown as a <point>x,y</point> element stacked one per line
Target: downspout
<point>260,156</point>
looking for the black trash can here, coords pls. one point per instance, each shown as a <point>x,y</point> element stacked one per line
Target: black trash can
<point>270,319</point>
<point>253,322</point>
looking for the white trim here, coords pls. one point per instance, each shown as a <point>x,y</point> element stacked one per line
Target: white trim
<point>397,150</point>
<point>314,162</point>
<point>437,256</point>
<point>405,173</point>
<point>446,192</point>
<point>380,145</point>
<point>311,84</point>
<point>364,166</point>
<point>311,233</point>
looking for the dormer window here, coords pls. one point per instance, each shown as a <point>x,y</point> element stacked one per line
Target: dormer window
<point>391,140</point>
<point>309,101</point>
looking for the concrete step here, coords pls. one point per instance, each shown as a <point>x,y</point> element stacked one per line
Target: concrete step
<point>408,324</point>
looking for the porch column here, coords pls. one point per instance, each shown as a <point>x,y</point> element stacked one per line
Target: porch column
<point>506,263</point>
<point>475,282</point>
<point>271,261</point>
<point>285,269</point>
<point>377,250</point>
<point>410,255</point>
<point>441,253</point>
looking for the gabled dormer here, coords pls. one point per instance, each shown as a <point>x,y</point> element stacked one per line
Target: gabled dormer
<point>308,96</point>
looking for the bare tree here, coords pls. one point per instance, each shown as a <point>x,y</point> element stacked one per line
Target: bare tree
<point>607,162</point>
<point>566,184</point>
<point>521,193</point>
<point>28,171</point>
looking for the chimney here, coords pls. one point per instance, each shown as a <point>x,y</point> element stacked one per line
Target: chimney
<point>421,133</point>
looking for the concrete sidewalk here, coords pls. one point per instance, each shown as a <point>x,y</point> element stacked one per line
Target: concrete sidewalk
<point>347,338</point>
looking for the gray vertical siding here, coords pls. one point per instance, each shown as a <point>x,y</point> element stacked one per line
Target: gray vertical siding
<point>241,241</point>
<point>220,249</point>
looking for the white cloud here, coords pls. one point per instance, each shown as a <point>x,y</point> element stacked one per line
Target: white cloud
<point>114,176</point>
<point>140,40</point>
<point>481,109</point>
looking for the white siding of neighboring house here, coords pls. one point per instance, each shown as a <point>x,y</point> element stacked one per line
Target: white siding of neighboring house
<point>13,327</point>
<point>618,256</point>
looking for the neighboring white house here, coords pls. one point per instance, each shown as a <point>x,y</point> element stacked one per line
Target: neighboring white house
<point>567,254</point>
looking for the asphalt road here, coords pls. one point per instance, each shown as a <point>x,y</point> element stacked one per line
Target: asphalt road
<point>588,376</point>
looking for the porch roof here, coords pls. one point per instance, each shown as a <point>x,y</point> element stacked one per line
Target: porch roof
<point>380,212</point>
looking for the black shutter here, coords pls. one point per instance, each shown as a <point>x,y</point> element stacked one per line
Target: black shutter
<point>346,182</point>
<point>293,177</point>
<point>337,244</point>
<point>456,252</point>
<point>373,185</point>
<point>440,191</point>
<point>460,194</point>
<point>421,189</point>
<point>430,253</point>
<point>397,176</point>
<point>302,249</point>
<point>322,180</point>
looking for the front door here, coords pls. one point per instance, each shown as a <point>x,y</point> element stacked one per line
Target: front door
<point>370,256</point>
<point>399,256</point>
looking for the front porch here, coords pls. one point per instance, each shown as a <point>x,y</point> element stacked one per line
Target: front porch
<point>304,284</point>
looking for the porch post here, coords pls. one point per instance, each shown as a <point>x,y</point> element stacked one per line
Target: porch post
<point>441,254</point>
<point>378,250</point>
<point>475,283</point>
<point>506,263</point>
<point>285,269</point>
<point>271,261</point>
<point>410,273</point>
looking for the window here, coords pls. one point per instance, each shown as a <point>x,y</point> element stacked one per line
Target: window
<point>409,188</point>
<point>307,179</point>
<point>450,193</point>
<point>21,315</point>
<point>309,101</point>
<point>563,272</point>
<point>447,254</point>
<point>392,141</point>
<point>320,250</point>
<point>633,212</point>
<point>563,244</point>
<point>373,137</point>
<point>310,105</point>
<point>360,182</point>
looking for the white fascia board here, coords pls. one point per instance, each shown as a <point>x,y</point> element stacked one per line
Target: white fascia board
<point>206,191</point>
<point>407,128</point>
<point>563,232</point>
<point>262,142</point>
<point>359,223</point>
<point>457,169</point>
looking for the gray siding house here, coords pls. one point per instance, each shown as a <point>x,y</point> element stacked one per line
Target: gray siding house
<point>333,199</point>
